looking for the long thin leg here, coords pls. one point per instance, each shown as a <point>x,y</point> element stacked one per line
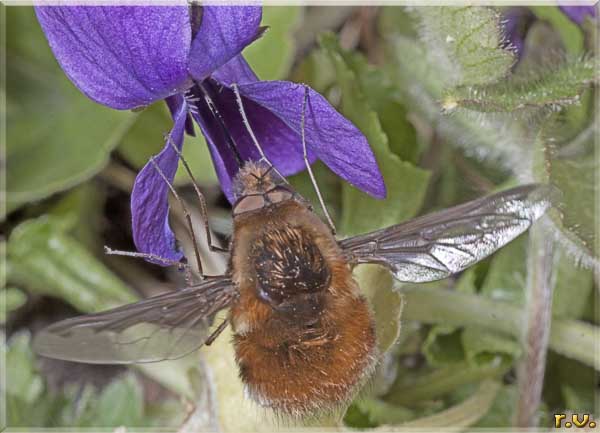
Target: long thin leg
<point>240,105</point>
<point>187,216</point>
<point>217,115</point>
<point>181,265</point>
<point>308,167</point>
<point>201,199</point>
<point>210,340</point>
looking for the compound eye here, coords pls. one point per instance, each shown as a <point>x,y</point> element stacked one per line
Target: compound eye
<point>279,195</point>
<point>249,203</point>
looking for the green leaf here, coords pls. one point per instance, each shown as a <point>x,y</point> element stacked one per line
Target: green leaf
<point>572,385</point>
<point>172,374</point>
<point>422,81</point>
<point>57,138</point>
<point>484,347</point>
<point>502,412</point>
<point>464,414</point>
<point>467,282</point>
<point>121,403</point>
<point>317,71</point>
<point>430,385</point>
<point>379,412</point>
<point>507,274</point>
<point>383,97</point>
<point>557,161</point>
<point>573,287</point>
<point>443,346</point>
<point>394,19</point>
<point>570,338</point>
<point>406,184</point>
<point>45,259</point>
<point>466,41</point>
<point>553,89</point>
<point>24,384</point>
<point>147,138</point>
<point>579,399</point>
<point>10,299</point>
<point>376,285</point>
<point>272,55</point>
<point>570,33</point>
<point>580,198</point>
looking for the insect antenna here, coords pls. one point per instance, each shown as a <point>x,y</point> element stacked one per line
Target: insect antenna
<point>308,167</point>
<point>186,213</point>
<point>201,199</point>
<point>238,98</point>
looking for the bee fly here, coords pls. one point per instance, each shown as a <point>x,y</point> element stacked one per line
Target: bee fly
<point>304,336</point>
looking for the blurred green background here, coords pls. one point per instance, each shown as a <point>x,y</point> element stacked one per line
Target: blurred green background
<point>451,114</point>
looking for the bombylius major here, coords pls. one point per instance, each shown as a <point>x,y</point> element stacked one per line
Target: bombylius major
<point>304,336</point>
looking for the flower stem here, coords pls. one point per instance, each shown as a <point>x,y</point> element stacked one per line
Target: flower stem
<point>538,315</point>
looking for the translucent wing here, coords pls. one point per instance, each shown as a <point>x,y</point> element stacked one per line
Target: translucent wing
<point>167,326</point>
<point>442,243</point>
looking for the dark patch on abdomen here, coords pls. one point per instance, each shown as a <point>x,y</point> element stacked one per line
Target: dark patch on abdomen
<point>291,271</point>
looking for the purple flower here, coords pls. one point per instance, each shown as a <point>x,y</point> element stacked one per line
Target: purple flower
<point>577,14</point>
<point>518,20</point>
<point>127,57</point>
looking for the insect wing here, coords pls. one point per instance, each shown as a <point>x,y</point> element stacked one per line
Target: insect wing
<point>167,326</point>
<point>443,243</point>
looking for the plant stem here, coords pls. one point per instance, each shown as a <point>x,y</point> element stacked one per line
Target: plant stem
<point>538,315</point>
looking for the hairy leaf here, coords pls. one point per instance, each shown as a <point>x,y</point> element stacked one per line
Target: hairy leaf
<point>466,43</point>
<point>573,167</point>
<point>497,138</point>
<point>553,89</point>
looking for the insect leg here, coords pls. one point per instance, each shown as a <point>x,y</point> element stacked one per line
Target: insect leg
<point>201,199</point>
<point>308,167</point>
<point>212,337</point>
<point>187,216</point>
<point>180,265</point>
<point>228,138</point>
<point>238,99</point>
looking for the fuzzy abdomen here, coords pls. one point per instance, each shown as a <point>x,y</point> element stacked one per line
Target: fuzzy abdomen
<point>300,372</point>
<point>303,336</point>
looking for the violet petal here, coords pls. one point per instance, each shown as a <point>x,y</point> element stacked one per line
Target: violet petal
<point>174,103</point>
<point>281,144</point>
<point>223,34</point>
<point>124,56</point>
<point>237,70</point>
<point>149,198</point>
<point>577,14</point>
<point>514,28</point>
<point>332,137</point>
